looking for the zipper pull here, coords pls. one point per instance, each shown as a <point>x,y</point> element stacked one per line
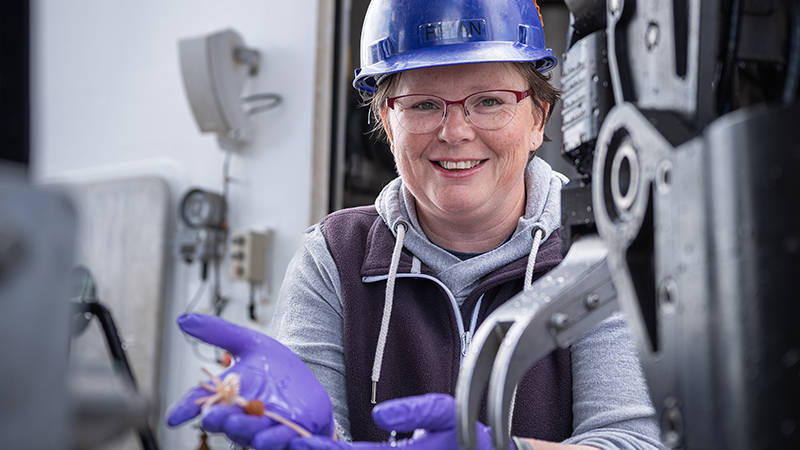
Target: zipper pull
<point>466,338</point>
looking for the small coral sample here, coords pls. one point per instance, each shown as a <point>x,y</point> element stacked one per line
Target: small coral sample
<point>226,392</point>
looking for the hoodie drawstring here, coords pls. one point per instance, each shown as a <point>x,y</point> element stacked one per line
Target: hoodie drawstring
<point>401,228</point>
<point>537,232</point>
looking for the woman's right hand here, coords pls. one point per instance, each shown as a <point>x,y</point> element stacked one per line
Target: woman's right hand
<point>432,418</point>
<point>268,372</point>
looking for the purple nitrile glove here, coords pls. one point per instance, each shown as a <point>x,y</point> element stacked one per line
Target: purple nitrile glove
<point>268,372</point>
<point>433,413</point>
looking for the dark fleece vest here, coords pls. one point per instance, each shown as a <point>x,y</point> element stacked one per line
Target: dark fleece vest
<point>423,347</point>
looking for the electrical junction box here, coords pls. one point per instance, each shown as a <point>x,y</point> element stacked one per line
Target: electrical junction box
<point>249,255</point>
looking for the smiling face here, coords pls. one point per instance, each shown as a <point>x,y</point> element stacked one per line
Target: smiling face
<point>462,176</point>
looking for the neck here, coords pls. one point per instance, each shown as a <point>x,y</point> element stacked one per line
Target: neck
<point>477,234</point>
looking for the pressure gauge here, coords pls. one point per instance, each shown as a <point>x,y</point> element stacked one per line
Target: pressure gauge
<point>202,209</point>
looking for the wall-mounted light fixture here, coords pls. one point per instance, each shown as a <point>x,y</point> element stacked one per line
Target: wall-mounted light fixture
<point>214,68</point>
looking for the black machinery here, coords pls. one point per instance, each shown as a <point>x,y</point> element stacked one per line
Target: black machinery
<point>683,117</point>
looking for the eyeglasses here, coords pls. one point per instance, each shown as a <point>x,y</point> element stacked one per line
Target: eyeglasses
<point>488,110</point>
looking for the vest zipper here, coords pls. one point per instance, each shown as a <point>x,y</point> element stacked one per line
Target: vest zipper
<point>465,335</point>
<point>473,322</point>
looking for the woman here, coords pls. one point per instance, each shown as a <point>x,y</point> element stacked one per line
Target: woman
<point>380,301</point>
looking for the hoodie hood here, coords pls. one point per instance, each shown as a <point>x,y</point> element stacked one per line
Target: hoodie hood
<point>543,209</point>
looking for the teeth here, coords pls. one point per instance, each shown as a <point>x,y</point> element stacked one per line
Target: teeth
<point>461,165</point>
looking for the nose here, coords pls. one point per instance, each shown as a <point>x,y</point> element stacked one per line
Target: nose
<point>455,125</point>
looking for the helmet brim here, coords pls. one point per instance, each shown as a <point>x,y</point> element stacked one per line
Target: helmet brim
<point>447,55</point>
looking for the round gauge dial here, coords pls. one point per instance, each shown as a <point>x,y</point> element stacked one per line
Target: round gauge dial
<point>202,209</point>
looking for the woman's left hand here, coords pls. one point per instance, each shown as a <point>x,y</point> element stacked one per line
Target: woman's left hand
<point>435,414</point>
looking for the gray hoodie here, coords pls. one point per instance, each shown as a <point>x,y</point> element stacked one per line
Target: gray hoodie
<point>611,403</point>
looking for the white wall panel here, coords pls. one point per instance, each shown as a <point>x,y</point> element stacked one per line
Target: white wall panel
<point>108,103</point>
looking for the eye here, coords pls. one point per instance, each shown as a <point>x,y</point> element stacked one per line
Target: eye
<point>425,106</point>
<point>418,103</point>
<point>488,102</point>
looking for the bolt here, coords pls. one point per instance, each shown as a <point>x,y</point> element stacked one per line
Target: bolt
<point>664,177</point>
<point>668,297</point>
<point>671,427</point>
<point>592,301</point>
<point>559,320</point>
<point>651,36</point>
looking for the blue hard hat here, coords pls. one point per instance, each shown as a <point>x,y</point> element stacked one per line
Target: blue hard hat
<point>401,35</point>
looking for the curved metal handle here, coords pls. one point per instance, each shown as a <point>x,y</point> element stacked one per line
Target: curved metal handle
<point>560,308</point>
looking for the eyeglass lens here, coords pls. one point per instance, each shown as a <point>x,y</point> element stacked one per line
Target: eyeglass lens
<point>489,110</point>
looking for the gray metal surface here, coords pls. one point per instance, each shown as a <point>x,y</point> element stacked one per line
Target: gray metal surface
<point>635,247</point>
<point>105,409</point>
<point>699,209</point>
<point>706,261</point>
<point>37,235</point>
<point>560,308</point>
<point>753,163</point>
<point>661,55</point>
<point>587,98</point>
<point>48,400</point>
<point>123,239</point>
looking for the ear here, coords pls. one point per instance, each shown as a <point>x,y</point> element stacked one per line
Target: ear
<point>537,133</point>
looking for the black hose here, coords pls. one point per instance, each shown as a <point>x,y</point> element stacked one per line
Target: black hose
<point>728,64</point>
<point>103,315</point>
<point>112,338</point>
<point>793,65</point>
